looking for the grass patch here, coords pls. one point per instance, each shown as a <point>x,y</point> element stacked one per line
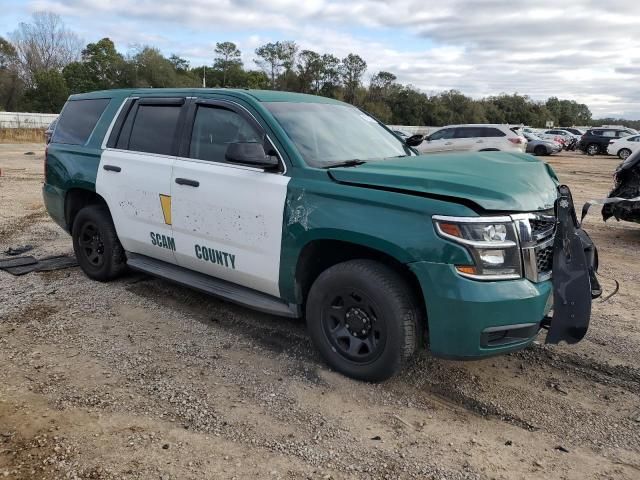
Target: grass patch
<point>22,135</point>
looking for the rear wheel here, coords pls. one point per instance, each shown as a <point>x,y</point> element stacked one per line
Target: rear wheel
<point>540,150</point>
<point>624,153</point>
<point>96,244</point>
<point>363,319</point>
<point>593,149</point>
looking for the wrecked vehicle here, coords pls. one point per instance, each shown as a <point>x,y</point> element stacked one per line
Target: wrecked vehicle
<point>304,206</point>
<point>624,203</point>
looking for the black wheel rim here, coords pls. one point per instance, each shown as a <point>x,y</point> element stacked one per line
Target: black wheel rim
<point>91,245</point>
<point>353,325</point>
<point>624,154</point>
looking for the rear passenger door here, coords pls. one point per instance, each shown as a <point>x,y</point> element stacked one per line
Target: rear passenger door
<point>467,138</point>
<point>227,218</point>
<point>134,176</point>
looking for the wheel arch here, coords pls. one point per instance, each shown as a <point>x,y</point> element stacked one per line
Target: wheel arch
<point>78,198</point>
<point>319,254</point>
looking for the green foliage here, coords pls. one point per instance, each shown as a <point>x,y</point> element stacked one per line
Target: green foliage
<point>282,66</point>
<point>48,93</point>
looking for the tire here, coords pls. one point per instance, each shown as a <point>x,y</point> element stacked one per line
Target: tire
<point>624,153</point>
<point>384,319</point>
<point>96,244</point>
<point>593,149</point>
<point>540,150</point>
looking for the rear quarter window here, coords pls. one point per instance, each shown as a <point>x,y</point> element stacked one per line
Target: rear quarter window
<point>492,132</point>
<point>78,119</point>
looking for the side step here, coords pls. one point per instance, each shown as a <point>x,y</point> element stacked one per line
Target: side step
<point>213,286</point>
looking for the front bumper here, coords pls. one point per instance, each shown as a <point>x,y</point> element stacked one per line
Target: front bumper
<point>467,318</point>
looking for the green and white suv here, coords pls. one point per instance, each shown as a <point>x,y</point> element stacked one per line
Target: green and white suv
<point>304,206</point>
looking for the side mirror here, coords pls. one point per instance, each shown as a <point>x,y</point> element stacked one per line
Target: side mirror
<point>414,140</point>
<point>250,153</point>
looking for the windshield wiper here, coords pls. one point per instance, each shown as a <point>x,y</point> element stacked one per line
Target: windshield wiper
<point>347,163</point>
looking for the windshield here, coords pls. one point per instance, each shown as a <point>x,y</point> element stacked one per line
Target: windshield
<point>532,136</point>
<point>326,134</point>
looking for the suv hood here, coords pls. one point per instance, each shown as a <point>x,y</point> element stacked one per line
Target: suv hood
<point>502,181</point>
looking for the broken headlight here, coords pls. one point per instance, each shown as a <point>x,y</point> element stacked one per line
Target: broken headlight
<point>491,241</point>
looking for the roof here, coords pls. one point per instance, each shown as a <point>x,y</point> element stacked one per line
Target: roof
<point>256,95</point>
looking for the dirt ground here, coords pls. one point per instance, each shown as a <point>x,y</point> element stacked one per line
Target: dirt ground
<point>142,379</point>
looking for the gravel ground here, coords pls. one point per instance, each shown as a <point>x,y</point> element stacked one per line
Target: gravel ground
<point>140,379</point>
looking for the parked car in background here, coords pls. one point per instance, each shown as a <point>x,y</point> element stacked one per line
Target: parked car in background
<point>597,140</point>
<point>558,135</point>
<point>539,146</point>
<point>575,131</point>
<point>623,147</point>
<point>479,138</point>
<point>49,131</point>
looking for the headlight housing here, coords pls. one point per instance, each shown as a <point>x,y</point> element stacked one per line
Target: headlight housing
<point>491,241</point>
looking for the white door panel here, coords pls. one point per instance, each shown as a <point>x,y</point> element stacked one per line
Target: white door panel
<point>134,199</point>
<point>230,225</point>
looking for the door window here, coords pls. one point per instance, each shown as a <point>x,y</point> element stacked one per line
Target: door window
<point>154,129</point>
<point>444,134</point>
<point>215,128</point>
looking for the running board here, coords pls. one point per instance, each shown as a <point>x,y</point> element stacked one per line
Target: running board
<point>213,286</point>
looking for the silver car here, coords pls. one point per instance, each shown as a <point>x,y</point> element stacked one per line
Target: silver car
<point>539,146</point>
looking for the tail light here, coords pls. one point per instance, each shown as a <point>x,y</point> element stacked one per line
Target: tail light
<point>517,140</point>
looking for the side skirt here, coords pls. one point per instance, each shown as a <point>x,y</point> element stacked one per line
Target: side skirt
<point>213,286</point>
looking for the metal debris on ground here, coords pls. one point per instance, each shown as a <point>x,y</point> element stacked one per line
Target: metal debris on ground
<point>23,265</point>
<point>12,252</point>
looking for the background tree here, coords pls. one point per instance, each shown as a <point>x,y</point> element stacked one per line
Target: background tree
<point>44,44</point>
<point>277,60</point>
<point>228,60</point>
<point>10,84</point>
<point>351,70</point>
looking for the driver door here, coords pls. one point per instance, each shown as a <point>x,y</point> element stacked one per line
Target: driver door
<point>227,218</point>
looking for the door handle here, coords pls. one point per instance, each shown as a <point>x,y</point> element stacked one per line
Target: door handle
<point>449,143</point>
<point>112,168</point>
<point>186,181</point>
<point>480,141</point>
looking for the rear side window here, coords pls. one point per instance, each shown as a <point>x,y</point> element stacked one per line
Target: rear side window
<point>154,128</point>
<point>78,119</point>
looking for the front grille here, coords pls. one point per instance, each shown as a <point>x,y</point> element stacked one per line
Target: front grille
<point>544,259</point>
<point>536,233</point>
<point>542,225</point>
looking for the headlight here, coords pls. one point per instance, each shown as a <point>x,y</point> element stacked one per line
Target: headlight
<point>491,241</point>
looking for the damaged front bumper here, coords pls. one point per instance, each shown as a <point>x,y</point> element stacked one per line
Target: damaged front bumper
<point>623,202</point>
<point>468,319</point>
<point>575,263</point>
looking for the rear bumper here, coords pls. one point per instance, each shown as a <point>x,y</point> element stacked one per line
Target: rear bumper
<point>468,319</point>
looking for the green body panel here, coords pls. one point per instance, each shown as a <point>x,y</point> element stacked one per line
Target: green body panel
<point>76,166</point>
<point>497,181</point>
<point>384,205</point>
<point>399,225</point>
<point>459,309</point>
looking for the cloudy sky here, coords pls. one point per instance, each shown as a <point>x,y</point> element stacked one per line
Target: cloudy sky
<point>587,50</point>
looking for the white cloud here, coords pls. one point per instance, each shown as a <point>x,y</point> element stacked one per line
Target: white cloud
<point>587,50</point>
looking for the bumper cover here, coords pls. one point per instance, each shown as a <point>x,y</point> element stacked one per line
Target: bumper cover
<point>469,319</point>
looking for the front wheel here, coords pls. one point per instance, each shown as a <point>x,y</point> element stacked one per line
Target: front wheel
<point>96,245</point>
<point>624,153</point>
<point>540,150</point>
<point>363,319</point>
